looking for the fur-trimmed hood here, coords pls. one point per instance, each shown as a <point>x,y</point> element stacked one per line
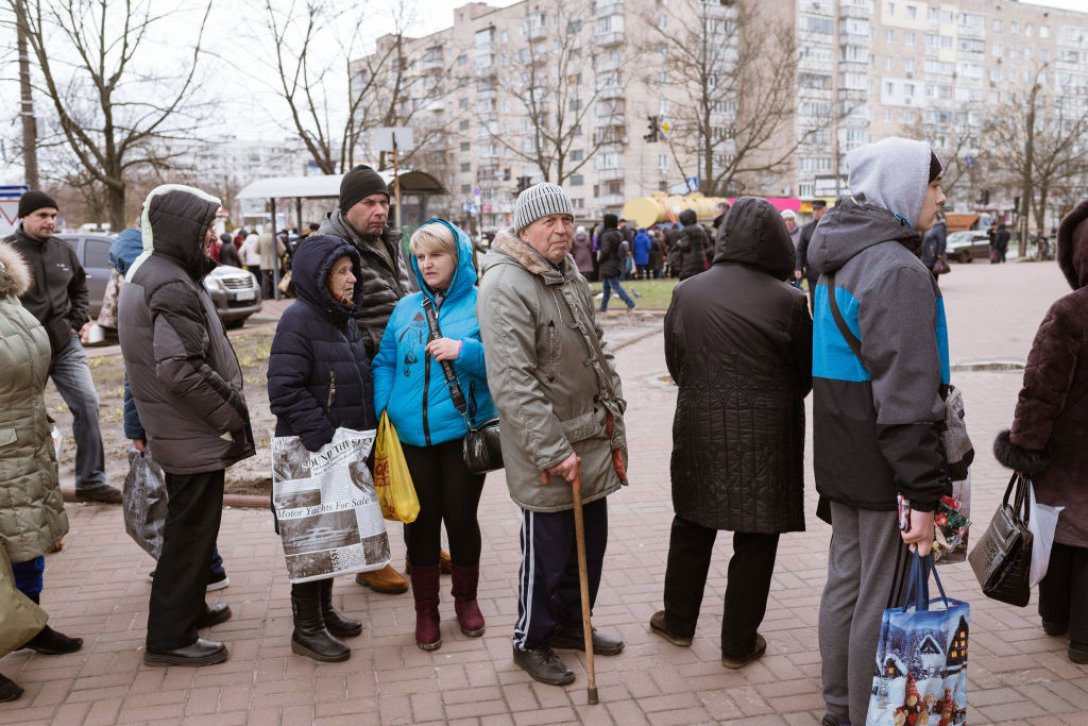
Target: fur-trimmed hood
<point>15,276</point>
<point>507,247</point>
<point>1073,246</point>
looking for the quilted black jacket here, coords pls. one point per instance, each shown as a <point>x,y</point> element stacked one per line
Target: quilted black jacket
<point>738,343</point>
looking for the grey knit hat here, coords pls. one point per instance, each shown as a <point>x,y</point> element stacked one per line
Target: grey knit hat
<point>540,200</point>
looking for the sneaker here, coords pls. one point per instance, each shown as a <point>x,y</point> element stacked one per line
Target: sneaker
<point>657,625</point>
<point>736,662</point>
<point>101,493</point>
<point>215,582</point>
<point>218,581</point>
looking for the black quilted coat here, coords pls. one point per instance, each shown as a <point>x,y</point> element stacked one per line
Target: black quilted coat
<point>318,371</point>
<point>738,342</point>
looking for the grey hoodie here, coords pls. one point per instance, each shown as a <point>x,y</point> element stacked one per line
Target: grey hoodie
<point>893,174</point>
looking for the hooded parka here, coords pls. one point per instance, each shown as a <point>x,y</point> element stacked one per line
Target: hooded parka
<point>738,343</point>
<point>318,370</point>
<point>553,393</point>
<point>694,246</point>
<point>32,517</point>
<point>409,384</point>
<point>182,370</point>
<point>1050,429</point>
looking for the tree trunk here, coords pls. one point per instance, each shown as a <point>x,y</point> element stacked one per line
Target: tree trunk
<point>116,197</point>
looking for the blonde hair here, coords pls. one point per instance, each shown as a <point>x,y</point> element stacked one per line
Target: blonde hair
<point>433,237</point>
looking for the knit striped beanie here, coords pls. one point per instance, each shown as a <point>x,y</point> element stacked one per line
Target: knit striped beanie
<point>540,200</point>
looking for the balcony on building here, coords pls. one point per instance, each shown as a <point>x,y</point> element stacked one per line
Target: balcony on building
<point>609,91</point>
<point>860,9</point>
<point>611,200</point>
<point>609,7</point>
<point>611,174</point>
<point>611,37</point>
<point>536,31</point>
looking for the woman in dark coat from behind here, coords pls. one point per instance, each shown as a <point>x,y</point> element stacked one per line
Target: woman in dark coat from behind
<point>319,380</point>
<point>1049,438</point>
<point>738,343</point>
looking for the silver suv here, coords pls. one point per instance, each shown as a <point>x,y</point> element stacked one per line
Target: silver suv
<point>235,292</point>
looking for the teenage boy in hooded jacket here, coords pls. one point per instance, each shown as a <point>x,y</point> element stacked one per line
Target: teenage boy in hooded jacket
<point>875,418</point>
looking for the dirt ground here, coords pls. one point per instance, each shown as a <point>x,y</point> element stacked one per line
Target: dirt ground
<point>252,345</point>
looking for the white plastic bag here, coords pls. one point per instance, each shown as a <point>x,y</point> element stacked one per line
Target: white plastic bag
<point>1043,522</point>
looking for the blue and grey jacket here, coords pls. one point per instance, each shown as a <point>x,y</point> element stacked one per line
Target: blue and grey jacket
<point>876,419</point>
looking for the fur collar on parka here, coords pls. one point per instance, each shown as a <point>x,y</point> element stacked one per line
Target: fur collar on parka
<point>15,276</point>
<point>1073,246</point>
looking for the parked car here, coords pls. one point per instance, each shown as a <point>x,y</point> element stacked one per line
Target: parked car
<point>967,246</point>
<point>235,292</point>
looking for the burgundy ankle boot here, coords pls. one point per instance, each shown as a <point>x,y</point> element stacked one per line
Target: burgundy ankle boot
<point>425,592</point>
<point>469,617</point>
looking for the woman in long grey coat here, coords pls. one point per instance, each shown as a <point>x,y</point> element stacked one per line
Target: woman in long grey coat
<point>32,517</point>
<point>738,343</point>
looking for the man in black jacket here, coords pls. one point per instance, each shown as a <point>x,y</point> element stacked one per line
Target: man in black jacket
<point>187,385</point>
<point>58,299</point>
<point>803,268</point>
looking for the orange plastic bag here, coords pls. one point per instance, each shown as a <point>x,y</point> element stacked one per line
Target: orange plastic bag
<point>392,480</point>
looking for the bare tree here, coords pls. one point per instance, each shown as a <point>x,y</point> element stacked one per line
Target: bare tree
<point>112,113</point>
<point>735,68</point>
<point>1038,149</point>
<point>957,145</point>
<point>332,98</point>
<point>553,97</point>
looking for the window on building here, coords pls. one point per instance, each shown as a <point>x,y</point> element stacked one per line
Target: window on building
<point>462,103</point>
<point>889,87</point>
<point>466,167</point>
<point>890,10</point>
<point>1014,27</point>
<point>466,188</point>
<point>1044,31</point>
<point>1029,30</point>
<point>912,12</point>
<point>889,36</point>
<point>908,65</point>
<point>465,146</point>
<point>909,38</point>
<point>908,90</point>
<point>996,25</point>
<point>463,125</point>
<point>889,63</point>
<point>888,115</point>
<point>577,180</point>
<point>615,187</point>
<point>663,162</point>
<point>577,155</point>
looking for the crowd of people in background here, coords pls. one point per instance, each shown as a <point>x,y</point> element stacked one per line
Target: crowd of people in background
<point>378,329</point>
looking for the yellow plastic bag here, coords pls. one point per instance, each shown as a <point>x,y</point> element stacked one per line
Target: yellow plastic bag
<point>393,482</point>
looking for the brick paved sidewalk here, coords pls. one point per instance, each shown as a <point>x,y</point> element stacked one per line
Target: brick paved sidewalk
<point>97,588</point>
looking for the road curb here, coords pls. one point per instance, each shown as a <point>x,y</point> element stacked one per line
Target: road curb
<point>237,501</point>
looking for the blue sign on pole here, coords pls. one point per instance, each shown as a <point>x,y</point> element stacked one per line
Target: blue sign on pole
<point>693,183</point>
<point>969,161</point>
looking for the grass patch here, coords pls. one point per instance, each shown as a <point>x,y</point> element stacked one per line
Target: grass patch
<point>652,294</point>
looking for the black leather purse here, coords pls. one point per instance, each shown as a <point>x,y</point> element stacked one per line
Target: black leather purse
<point>482,449</point>
<point>1002,558</point>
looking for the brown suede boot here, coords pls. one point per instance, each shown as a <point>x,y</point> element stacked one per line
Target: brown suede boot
<point>469,617</point>
<point>425,592</point>
<point>386,580</point>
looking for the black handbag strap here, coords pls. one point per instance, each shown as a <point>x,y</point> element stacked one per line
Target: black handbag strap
<point>456,394</point>
<point>1020,505</point>
<point>847,334</point>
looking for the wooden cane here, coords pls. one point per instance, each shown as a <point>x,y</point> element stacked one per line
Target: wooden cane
<point>583,578</point>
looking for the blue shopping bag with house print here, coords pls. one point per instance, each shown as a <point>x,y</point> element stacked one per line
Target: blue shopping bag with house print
<point>921,659</point>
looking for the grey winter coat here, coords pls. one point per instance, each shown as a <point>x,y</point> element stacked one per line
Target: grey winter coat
<point>32,517</point>
<point>385,276</point>
<point>181,368</point>
<point>553,396</point>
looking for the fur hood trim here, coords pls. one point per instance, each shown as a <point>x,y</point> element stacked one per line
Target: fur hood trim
<point>1073,246</point>
<point>506,243</point>
<point>15,275</point>
<point>1026,461</point>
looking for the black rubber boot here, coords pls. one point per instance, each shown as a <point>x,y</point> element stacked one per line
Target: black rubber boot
<point>310,638</point>
<point>335,623</point>
<point>9,689</point>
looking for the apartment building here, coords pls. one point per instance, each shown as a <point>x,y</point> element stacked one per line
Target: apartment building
<point>571,85</point>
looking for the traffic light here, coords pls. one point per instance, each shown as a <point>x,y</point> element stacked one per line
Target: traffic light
<point>524,182</point>
<point>654,130</point>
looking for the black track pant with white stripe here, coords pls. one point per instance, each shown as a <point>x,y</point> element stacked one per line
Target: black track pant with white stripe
<point>548,581</point>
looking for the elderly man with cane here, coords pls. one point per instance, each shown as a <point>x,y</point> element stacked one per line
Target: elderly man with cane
<point>561,412</point>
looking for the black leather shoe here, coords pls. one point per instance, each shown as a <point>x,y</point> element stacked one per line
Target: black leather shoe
<point>9,690</point>
<point>544,665</point>
<point>572,638</point>
<point>214,615</point>
<point>1078,652</point>
<point>201,653</point>
<point>1054,628</point>
<point>50,642</point>
<point>103,493</point>
<point>735,662</point>
<point>658,626</point>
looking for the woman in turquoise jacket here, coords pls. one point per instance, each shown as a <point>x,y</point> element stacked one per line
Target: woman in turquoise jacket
<point>410,387</point>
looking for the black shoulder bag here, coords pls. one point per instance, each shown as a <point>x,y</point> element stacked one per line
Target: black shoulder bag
<point>482,449</point>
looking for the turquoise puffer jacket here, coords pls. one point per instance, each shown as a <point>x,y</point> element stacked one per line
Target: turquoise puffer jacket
<point>408,384</point>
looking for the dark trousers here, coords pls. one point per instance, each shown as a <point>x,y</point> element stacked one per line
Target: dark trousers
<point>1063,593</point>
<point>548,592</point>
<point>749,583</point>
<point>193,514</point>
<point>447,492</point>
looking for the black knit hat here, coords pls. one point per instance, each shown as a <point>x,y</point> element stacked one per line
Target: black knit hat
<point>935,166</point>
<point>34,200</point>
<point>358,184</point>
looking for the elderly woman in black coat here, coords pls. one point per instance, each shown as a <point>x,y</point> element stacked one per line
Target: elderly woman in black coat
<point>319,380</point>
<point>738,343</point>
